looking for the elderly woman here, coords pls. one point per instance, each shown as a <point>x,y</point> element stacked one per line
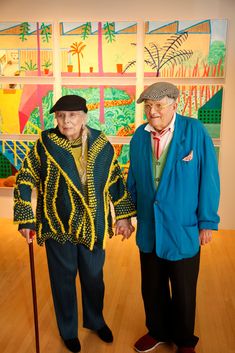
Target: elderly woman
<point>76,174</point>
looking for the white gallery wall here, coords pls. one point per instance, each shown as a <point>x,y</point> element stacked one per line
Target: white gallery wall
<point>124,10</point>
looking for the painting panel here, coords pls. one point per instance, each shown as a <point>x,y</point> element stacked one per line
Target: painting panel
<point>24,111</point>
<point>97,48</point>
<point>26,49</point>
<point>110,109</point>
<point>183,49</point>
<point>203,102</point>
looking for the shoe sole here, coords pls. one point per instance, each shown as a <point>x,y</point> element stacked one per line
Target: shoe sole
<point>150,349</point>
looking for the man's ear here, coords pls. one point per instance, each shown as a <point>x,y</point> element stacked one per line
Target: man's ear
<point>175,105</point>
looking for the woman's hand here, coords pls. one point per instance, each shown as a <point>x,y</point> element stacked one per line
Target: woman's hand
<point>125,228</point>
<point>28,234</point>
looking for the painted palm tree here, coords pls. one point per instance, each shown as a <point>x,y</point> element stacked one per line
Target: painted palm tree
<point>77,49</point>
<point>168,54</point>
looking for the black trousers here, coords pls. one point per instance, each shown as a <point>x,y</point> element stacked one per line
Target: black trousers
<point>169,295</point>
<point>65,261</point>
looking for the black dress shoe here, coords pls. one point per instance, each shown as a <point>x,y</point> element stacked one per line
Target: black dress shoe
<point>105,334</point>
<point>73,345</point>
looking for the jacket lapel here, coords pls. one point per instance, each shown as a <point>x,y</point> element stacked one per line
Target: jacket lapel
<point>175,148</point>
<point>147,159</point>
<point>60,152</point>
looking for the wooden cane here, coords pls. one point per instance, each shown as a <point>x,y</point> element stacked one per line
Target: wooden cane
<point>34,293</point>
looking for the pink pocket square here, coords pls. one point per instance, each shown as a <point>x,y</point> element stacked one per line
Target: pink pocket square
<point>189,157</point>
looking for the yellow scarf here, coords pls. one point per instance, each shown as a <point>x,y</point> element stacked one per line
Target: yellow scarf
<point>80,160</point>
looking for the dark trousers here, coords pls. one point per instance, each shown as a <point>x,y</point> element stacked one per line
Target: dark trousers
<point>64,262</point>
<point>169,295</point>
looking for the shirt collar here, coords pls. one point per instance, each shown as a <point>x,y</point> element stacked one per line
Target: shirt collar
<point>171,126</point>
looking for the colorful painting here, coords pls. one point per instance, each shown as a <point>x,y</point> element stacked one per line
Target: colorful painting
<point>203,102</point>
<point>122,152</point>
<point>113,112</point>
<point>26,49</point>
<point>92,50</point>
<point>185,48</point>
<point>97,48</point>
<point>24,109</point>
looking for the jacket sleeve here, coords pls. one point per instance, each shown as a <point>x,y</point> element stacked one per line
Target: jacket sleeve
<point>120,197</point>
<point>27,179</point>
<point>209,186</point>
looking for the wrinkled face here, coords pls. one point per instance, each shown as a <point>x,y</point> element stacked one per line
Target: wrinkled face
<point>70,123</point>
<point>160,113</point>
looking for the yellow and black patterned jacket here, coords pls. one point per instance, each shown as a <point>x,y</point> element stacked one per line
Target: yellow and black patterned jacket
<point>63,211</point>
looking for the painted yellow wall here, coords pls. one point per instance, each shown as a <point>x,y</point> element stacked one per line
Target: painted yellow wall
<point>93,10</point>
<point>125,51</point>
<point>8,109</point>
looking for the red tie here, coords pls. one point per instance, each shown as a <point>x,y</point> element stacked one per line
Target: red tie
<point>156,139</point>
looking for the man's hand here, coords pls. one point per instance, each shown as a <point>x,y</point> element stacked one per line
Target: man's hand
<point>205,236</point>
<point>125,228</point>
<point>28,234</point>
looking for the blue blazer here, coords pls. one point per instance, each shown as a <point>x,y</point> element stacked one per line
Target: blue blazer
<point>169,218</point>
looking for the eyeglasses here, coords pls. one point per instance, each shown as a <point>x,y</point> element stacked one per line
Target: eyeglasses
<point>157,106</point>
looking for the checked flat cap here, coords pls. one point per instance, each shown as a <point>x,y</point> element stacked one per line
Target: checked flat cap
<point>159,90</point>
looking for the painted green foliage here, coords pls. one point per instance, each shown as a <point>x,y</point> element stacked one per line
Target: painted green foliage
<point>124,156</point>
<point>109,31</point>
<point>34,120</point>
<point>24,31</point>
<point>217,53</point>
<point>86,30</point>
<point>29,66</point>
<point>116,116</point>
<point>45,32</point>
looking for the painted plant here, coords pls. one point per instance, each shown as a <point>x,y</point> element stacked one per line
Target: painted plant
<point>170,53</point>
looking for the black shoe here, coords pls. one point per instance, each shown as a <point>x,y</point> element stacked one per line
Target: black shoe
<point>105,334</point>
<point>73,345</point>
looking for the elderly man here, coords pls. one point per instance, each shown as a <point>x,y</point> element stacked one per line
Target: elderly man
<point>174,182</point>
<point>77,175</point>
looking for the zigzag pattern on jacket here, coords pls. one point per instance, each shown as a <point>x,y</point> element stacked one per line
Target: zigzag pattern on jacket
<point>64,210</point>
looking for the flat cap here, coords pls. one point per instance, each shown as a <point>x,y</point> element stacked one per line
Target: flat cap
<point>159,90</point>
<point>71,102</point>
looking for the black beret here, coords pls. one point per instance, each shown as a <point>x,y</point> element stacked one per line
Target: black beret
<point>71,102</point>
